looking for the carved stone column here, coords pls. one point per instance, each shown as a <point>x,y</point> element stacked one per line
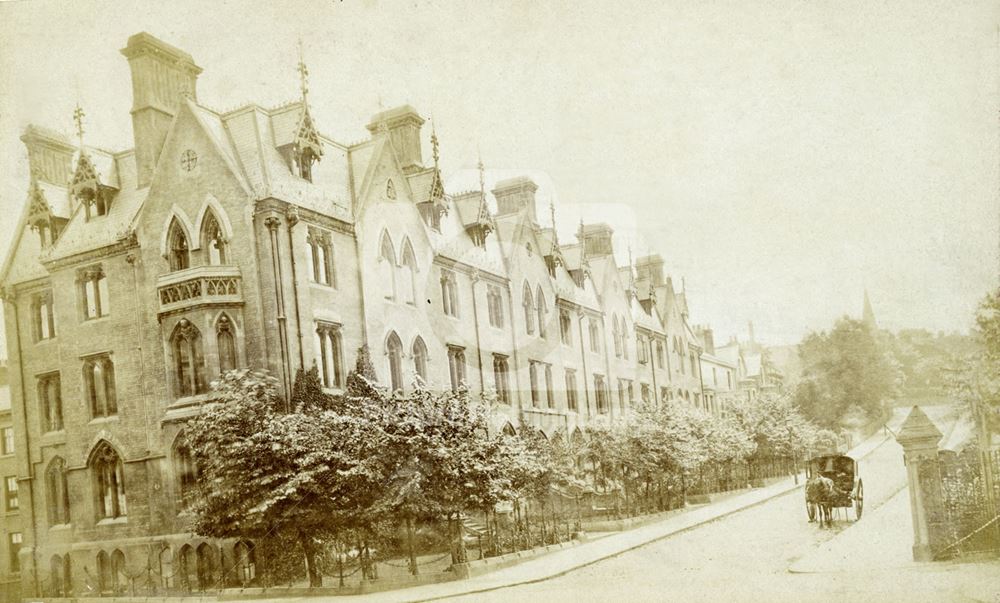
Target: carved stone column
<point>919,438</point>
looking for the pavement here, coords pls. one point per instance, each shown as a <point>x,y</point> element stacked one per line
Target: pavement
<point>880,545</point>
<point>562,562</point>
<point>863,559</point>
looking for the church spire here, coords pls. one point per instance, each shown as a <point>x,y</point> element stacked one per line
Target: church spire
<point>867,314</point>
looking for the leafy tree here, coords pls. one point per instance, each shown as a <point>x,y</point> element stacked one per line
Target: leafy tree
<point>847,375</point>
<point>266,473</point>
<point>975,382</point>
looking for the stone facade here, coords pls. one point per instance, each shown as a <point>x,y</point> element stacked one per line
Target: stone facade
<point>11,531</point>
<point>248,238</point>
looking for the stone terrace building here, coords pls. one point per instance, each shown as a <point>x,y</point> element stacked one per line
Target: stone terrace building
<point>10,530</point>
<point>250,239</point>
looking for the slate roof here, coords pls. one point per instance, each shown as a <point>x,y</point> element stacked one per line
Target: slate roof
<point>249,139</point>
<point>644,320</point>
<point>82,235</point>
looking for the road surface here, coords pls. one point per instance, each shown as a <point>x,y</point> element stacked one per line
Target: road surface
<point>746,557</point>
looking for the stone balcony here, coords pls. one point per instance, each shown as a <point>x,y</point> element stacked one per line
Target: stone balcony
<point>198,287</point>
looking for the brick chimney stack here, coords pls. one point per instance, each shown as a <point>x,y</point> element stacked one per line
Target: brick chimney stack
<point>403,125</point>
<point>161,76</point>
<point>513,194</point>
<point>50,155</point>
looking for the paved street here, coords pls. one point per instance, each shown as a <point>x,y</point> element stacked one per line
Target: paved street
<point>758,546</point>
<point>746,557</point>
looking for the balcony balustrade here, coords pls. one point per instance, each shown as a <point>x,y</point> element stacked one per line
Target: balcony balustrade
<point>199,286</point>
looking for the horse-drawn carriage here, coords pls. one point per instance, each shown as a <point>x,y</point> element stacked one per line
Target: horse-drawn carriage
<point>833,481</point>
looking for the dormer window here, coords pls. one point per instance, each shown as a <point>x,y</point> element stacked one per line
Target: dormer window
<point>99,207</point>
<point>40,217</point>
<point>304,160</point>
<point>306,148</point>
<point>43,234</point>
<point>88,189</point>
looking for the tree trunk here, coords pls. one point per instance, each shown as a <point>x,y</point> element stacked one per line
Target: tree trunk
<point>458,553</point>
<point>411,544</point>
<point>309,550</point>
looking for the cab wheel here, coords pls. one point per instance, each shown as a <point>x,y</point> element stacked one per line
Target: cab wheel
<point>859,500</point>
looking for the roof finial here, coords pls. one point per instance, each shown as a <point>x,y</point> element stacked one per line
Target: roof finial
<point>78,116</point>
<point>482,176</point>
<point>555,234</point>
<point>434,143</point>
<point>303,75</point>
<point>631,271</point>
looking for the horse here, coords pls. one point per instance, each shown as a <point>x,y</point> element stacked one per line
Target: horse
<point>821,491</point>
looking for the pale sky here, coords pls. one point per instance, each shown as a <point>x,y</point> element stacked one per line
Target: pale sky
<point>782,156</point>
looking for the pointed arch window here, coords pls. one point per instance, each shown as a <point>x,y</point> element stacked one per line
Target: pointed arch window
<point>165,562</point>
<point>186,470</point>
<point>387,267</point>
<point>449,293</point>
<point>542,310</point>
<point>625,338</point>
<point>566,327</point>
<point>394,352</point>
<point>213,242</point>
<point>501,378</point>
<point>43,316</point>
<point>93,290</point>
<point>420,358</point>
<point>641,351</point>
<point>225,339</point>
<point>529,310</point>
<point>595,336</point>
<point>50,402</point>
<point>408,264</point>
<point>104,574</point>
<point>119,575</point>
<point>57,492</point>
<point>189,360</point>
<point>179,250</point>
<point>99,380</point>
<point>246,562</point>
<point>456,367</point>
<point>109,482</point>
<point>494,304</point>
<point>617,335</point>
<point>571,403</point>
<point>207,561</point>
<point>533,380</point>
<point>60,577</point>
<point>329,354</point>
<point>187,570</point>
<point>321,268</point>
